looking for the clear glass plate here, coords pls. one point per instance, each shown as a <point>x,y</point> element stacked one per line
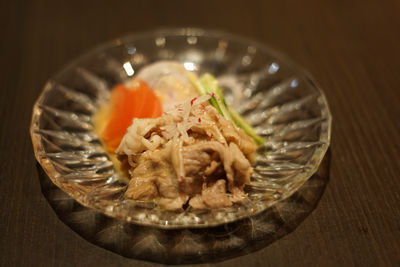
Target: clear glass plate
<point>274,95</point>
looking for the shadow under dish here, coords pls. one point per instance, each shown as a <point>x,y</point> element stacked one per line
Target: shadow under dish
<point>197,245</point>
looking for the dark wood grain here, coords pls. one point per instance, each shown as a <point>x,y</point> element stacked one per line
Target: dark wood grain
<point>352,50</point>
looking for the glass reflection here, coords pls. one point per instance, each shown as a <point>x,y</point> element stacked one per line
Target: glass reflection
<point>128,68</point>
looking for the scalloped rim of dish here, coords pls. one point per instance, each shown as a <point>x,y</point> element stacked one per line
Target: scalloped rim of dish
<point>186,31</point>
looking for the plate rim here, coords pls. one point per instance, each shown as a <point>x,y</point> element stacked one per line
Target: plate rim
<point>174,31</point>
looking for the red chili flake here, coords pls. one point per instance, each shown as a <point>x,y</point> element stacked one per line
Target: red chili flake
<point>180,109</point>
<point>191,102</point>
<point>212,95</point>
<point>199,119</point>
<point>203,106</point>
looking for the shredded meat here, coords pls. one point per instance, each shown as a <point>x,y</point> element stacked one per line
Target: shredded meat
<point>215,196</point>
<point>191,153</point>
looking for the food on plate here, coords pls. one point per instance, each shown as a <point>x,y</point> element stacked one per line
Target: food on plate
<point>170,82</point>
<point>177,140</point>
<point>189,152</point>
<point>136,101</point>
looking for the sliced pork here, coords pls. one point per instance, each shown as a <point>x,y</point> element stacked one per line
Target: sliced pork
<point>190,154</point>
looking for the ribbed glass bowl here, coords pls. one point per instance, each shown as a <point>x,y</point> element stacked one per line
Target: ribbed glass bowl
<point>273,94</point>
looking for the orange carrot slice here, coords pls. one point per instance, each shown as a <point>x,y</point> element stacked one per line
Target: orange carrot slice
<point>125,105</point>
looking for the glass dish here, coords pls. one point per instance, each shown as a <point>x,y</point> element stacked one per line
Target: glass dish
<point>274,95</point>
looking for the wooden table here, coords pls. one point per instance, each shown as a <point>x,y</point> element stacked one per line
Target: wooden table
<point>350,47</point>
